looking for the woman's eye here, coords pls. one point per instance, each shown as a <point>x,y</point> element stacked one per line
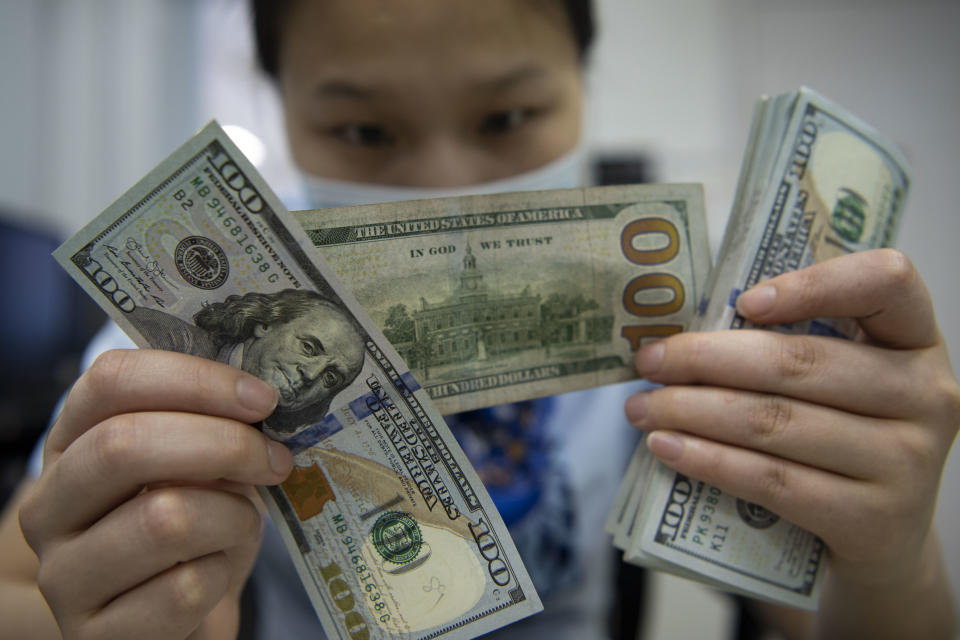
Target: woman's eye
<point>364,135</point>
<point>506,121</point>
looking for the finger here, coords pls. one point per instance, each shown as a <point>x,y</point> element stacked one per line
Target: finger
<point>809,498</point>
<point>126,381</point>
<point>143,538</point>
<point>881,289</point>
<point>858,378</point>
<point>113,462</point>
<point>170,605</point>
<point>798,431</point>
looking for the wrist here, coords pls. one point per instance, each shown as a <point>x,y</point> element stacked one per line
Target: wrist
<point>918,570</point>
<point>908,599</point>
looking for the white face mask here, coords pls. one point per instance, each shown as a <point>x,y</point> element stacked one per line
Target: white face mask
<point>318,193</point>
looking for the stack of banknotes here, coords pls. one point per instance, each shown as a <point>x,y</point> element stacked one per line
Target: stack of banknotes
<point>436,306</point>
<point>816,183</point>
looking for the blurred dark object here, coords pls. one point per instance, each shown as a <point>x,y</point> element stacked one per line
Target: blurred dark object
<point>46,323</point>
<point>747,626</point>
<point>622,168</point>
<point>629,599</point>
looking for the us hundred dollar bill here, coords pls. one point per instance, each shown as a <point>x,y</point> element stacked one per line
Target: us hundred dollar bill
<point>499,298</point>
<point>834,186</point>
<point>391,531</point>
<point>816,183</point>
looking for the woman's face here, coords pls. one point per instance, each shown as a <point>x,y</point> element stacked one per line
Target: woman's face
<point>429,93</point>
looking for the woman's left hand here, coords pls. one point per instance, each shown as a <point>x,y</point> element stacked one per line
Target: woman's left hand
<point>847,439</point>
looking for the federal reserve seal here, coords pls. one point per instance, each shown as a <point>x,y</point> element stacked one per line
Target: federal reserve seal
<point>201,262</point>
<point>396,536</point>
<point>755,515</point>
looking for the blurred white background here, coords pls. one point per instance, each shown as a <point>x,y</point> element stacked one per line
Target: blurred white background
<point>94,93</point>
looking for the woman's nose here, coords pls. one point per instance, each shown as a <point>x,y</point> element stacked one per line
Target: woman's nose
<point>443,161</point>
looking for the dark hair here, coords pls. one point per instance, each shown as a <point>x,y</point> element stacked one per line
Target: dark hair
<point>269,16</point>
<point>234,319</point>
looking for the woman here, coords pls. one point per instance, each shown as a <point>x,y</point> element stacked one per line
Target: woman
<point>445,94</point>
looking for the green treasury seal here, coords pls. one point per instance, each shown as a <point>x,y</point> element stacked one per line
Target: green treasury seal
<point>396,536</point>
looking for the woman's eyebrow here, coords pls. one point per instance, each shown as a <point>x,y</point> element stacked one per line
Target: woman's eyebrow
<point>512,78</point>
<point>335,89</point>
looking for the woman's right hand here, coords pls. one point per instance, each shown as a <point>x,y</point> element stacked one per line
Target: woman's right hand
<point>145,517</point>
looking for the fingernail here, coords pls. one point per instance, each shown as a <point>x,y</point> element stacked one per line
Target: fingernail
<point>636,410</point>
<point>665,446</point>
<point>757,301</point>
<point>650,358</point>
<point>281,460</point>
<point>256,395</point>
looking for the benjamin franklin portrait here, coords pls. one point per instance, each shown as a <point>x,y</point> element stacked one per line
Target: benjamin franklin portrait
<point>309,348</point>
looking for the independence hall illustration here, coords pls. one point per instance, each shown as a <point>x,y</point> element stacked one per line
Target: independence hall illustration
<point>476,324</point>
